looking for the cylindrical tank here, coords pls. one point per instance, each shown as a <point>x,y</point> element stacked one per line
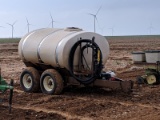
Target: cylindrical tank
<point>152,56</point>
<point>138,56</point>
<point>52,46</point>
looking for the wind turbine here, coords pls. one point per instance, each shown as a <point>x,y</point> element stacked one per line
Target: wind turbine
<point>95,18</point>
<point>112,29</point>
<point>28,24</point>
<point>12,26</point>
<point>52,20</point>
<point>150,28</point>
<point>102,29</point>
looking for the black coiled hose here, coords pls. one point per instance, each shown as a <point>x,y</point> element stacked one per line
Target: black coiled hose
<point>96,60</point>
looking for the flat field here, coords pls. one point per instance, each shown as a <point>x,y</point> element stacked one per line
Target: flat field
<point>9,40</point>
<point>86,103</point>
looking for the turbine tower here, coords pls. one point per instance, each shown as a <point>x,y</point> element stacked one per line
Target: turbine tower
<point>95,18</point>
<point>150,28</point>
<point>12,26</point>
<point>112,30</point>
<point>52,21</point>
<point>102,29</point>
<point>28,24</point>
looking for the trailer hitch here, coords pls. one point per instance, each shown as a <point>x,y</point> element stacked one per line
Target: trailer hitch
<point>114,83</point>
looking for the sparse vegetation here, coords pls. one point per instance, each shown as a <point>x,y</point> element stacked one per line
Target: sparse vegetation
<point>9,40</point>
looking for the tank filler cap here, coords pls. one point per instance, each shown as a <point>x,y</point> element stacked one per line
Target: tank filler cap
<point>72,29</point>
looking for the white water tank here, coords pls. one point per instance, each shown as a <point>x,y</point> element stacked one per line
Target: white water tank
<point>52,46</point>
<point>138,56</point>
<point>152,56</point>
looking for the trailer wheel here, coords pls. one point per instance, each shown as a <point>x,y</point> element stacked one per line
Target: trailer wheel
<point>51,82</point>
<point>30,80</point>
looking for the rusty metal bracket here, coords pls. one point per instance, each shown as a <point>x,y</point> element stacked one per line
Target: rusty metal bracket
<point>125,86</point>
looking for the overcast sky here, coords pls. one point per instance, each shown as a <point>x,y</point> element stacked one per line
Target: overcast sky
<point>116,17</point>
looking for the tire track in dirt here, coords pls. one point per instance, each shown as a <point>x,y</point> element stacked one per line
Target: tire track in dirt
<point>122,103</point>
<point>39,109</point>
<point>139,105</point>
<point>46,98</point>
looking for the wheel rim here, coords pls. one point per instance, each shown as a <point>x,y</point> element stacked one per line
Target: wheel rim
<point>27,81</point>
<point>151,79</point>
<point>48,83</point>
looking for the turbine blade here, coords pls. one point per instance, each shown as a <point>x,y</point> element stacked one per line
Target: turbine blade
<point>98,10</point>
<point>14,22</point>
<point>1,26</point>
<point>49,24</point>
<point>91,14</point>
<point>27,21</point>
<point>97,21</point>
<point>51,16</point>
<point>9,24</point>
<point>96,18</point>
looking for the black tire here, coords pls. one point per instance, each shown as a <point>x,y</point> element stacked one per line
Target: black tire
<point>51,82</point>
<point>30,80</point>
<point>140,80</point>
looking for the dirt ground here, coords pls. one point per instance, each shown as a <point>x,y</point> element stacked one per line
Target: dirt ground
<point>84,103</point>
